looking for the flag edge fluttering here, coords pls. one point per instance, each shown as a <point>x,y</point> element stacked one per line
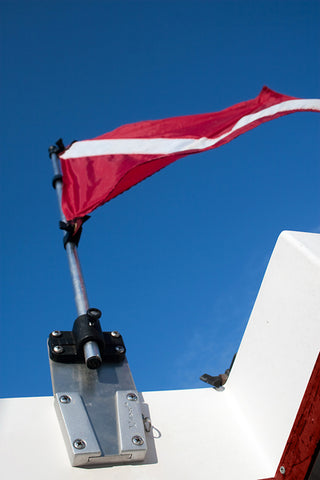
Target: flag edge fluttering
<point>120,147</point>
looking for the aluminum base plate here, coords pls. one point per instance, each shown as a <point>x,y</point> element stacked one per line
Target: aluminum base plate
<point>99,413</point>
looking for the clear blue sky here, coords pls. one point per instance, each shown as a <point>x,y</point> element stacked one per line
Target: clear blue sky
<point>175,263</point>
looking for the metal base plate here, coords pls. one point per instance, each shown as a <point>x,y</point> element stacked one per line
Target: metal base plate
<point>99,413</point>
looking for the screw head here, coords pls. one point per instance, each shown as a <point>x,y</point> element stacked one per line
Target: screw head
<point>79,444</point>
<point>137,440</point>
<point>119,349</point>
<point>56,333</point>
<point>65,399</point>
<point>115,334</point>
<point>58,349</point>
<point>94,313</point>
<point>282,470</point>
<point>132,397</point>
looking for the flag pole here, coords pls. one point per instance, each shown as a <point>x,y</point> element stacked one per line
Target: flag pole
<point>91,349</point>
<point>96,400</point>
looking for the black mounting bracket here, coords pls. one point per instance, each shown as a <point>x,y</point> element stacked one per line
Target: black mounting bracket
<point>67,346</point>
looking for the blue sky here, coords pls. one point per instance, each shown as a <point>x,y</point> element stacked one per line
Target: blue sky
<point>175,263</point>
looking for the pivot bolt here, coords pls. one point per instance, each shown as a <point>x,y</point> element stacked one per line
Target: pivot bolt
<point>132,397</point>
<point>119,349</point>
<point>94,313</point>
<point>137,440</point>
<point>79,444</point>
<point>65,399</point>
<point>56,333</point>
<point>58,349</point>
<point>115,334</point>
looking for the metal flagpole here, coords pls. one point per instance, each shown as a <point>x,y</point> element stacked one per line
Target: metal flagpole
<point>91,349</point>
<point>96,400</point>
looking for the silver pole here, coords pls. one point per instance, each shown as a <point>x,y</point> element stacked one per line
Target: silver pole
<point>79,288</point>
<point>91,349</point>
<point>80,294</point>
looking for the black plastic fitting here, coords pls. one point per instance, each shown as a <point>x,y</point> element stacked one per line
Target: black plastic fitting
<point>87,328</point>
<point>67,347</point>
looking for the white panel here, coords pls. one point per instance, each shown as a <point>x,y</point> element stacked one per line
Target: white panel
<point>194,434</point>
<point>281,343</point>
<point>235,434</point>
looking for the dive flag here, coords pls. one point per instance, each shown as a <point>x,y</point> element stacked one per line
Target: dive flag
<point>97,170</point>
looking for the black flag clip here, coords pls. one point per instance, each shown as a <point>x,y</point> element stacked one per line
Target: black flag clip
<point>73,230</point>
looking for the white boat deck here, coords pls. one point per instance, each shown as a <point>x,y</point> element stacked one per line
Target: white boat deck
<point>237,433</point>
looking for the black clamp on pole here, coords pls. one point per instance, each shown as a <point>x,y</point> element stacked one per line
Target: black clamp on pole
<point>73,230</point>
<point>78,346</point>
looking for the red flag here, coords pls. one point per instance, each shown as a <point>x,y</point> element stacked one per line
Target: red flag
<point>97,170</point>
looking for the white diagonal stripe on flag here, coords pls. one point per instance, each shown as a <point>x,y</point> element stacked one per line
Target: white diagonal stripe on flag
<point>125,146</point>
<point>166,146</point>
